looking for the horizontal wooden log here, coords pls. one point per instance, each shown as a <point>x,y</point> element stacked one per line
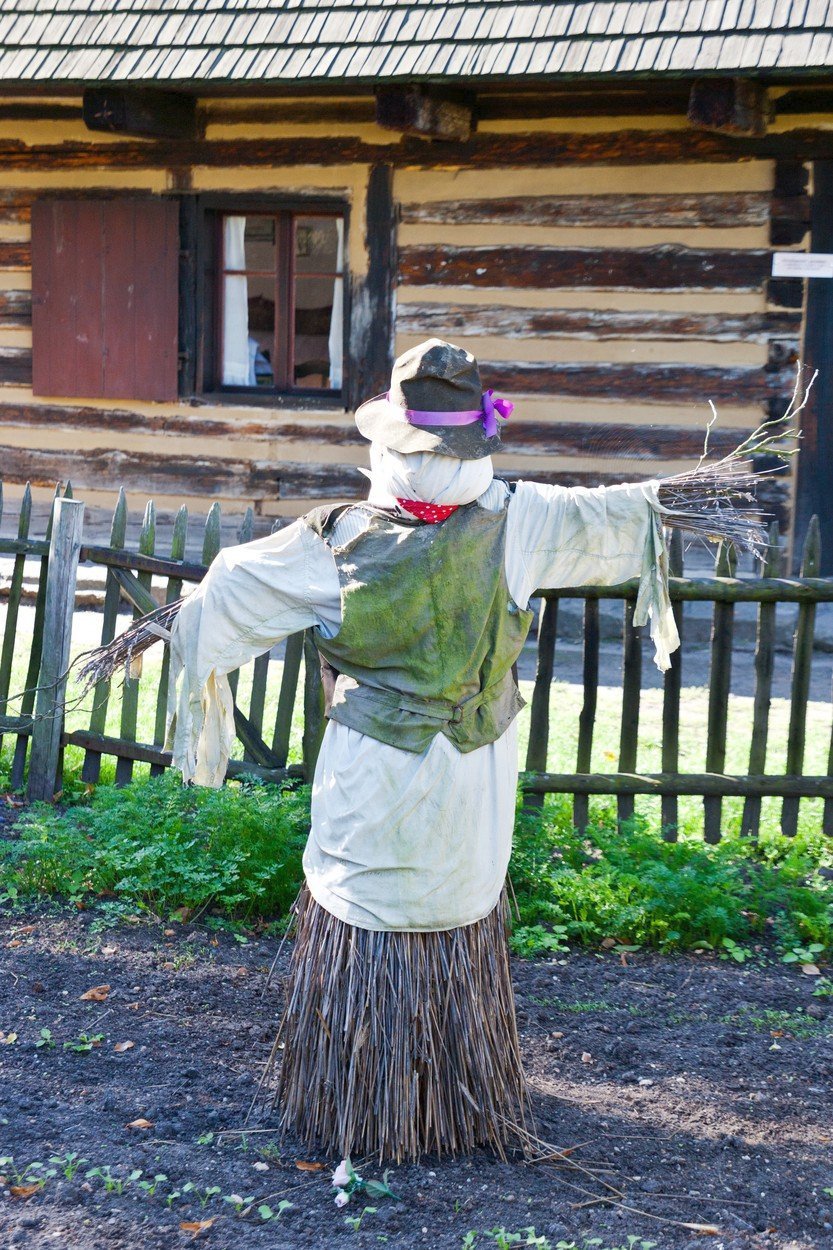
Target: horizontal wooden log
<point>122,559</point>
<point>648,383</point>
<point>15,255</point>
<point>663,268</point>
<point>635,442</point>
<point>187,423</point>
<point>15,366</point>
<point>507,321</point>
<point>24,546</point>
<point>15,724</point>
<point>714,590</point>
<point>157,474</point>
<point>15,308</point>
<point>15,205</point>
<point>715,209</point>
<point>146,754</point>
<point>134,592</point>
<point>510,102</point>
<point>716,784</point>
<point>482,151</point>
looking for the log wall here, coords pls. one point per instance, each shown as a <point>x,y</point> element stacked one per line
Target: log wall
<point>610,272</point>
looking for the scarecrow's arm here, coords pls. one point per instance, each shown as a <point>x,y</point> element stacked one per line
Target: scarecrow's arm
<point>252,597</point>
<point>559,537</point>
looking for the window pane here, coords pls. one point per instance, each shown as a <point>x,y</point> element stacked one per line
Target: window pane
<point>260,243</point>
<point>319,297</point>
<point>261,330</point>
<point>317,245</point>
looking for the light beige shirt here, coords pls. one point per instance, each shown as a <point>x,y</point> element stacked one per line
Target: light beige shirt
<point>402,840</point>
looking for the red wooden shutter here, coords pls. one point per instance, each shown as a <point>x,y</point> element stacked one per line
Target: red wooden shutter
<point>104,298</point>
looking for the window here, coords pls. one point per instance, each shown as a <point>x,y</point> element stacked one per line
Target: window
<point>278,302</point>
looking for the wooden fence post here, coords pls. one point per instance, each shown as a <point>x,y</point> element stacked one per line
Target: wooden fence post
<point>64,549</point>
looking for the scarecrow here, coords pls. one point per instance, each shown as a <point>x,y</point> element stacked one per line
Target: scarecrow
<point>399,1034</point>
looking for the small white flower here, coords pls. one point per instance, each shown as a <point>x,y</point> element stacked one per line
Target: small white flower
<point>261,1167</point>
<point>341,1198</point>
<point>341,1176</point>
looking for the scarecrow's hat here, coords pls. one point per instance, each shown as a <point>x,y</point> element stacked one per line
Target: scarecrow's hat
<point>436,402</point>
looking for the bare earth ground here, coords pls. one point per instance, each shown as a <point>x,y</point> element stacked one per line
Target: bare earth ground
<point>663,1070</point>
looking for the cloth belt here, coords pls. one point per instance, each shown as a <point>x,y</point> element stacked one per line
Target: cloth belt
<point>435,709</point>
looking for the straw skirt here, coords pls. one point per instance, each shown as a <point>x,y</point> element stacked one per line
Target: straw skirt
<point>399,1044</point>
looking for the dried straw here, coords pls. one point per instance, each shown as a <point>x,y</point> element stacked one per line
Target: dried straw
<point>399,1044</point>
<point>123,652</point>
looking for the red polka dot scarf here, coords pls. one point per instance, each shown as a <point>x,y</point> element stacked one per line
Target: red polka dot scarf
<point>430,512</point>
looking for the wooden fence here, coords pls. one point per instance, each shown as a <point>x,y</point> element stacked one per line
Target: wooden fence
<point>265,748</point>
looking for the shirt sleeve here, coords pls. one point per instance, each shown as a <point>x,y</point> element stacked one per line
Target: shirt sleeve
<point>558,537</point>
<point>252,597</point>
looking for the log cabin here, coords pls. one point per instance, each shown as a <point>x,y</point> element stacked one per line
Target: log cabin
<point>221,219</point>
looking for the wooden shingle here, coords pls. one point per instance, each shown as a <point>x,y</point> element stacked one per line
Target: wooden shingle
<point>169,41</point>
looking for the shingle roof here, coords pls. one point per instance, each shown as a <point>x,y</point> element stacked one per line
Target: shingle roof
<point>282,41</point>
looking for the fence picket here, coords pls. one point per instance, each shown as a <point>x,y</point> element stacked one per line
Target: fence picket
<point>314,722</point>
<point>802,663</point>
<point>91,767</point>
<point>631,688</point>
<point>130,694</point>
<point>27,702</point>
<point>13,604</point>
<point>173,590</point>
<point>539,712</point>
<point>720,681</point>
<point>587,718</point>
<point>764,666</point>
<point>672,689</point>
<point>293,652</point>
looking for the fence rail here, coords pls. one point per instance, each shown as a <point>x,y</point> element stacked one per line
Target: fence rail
<point>129,582</point>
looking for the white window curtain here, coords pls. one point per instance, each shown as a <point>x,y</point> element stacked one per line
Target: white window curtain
<point>336,341</point>
<point>238,365</point>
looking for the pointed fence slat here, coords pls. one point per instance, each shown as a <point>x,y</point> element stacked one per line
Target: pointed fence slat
<point>802,663</point>
<point>672,689</point>
<point>539,712</point>
<point>720,682</point>
<point>130,692</point>
<point>173,590</point>
<point>91,768</point>
<point>764,667</point>
<point>631,687</point>
<point>27,702</point>
<point>587,718</point>
<point>293,653</point>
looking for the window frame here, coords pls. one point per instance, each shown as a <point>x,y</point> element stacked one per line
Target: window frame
<point>204,233</point>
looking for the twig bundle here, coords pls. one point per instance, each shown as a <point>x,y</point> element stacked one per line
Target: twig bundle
<point>123,652</point>
<point>399,1044</point>
<point>716,499</point>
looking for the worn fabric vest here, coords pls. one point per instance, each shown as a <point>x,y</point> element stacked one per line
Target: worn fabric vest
<point>429,631</point>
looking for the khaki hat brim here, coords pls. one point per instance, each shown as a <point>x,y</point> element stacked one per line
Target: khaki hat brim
<point>380,421</point>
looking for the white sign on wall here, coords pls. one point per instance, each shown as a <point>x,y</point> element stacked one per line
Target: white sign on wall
<point>802,265</point>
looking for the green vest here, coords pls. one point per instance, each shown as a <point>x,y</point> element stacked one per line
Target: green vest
<point>429,631</point>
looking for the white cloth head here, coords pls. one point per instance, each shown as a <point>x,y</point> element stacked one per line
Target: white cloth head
<point>426,476</point>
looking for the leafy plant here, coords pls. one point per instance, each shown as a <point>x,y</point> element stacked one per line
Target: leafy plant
<point>347,1181</point>
<point>84,1043</point>
<point>113,1183</point>
<point>803,954</point>
<point>733,950</point>
<point>266,1213</point>
<point>69,1164</point>
<point>355,1221</point>
<point>150,1187</point>
<point>236,1200</point>
<point>823,988</point>
<point>45,1040</point>
<point>529,941</point>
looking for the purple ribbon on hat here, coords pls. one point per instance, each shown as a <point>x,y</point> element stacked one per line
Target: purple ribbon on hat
<point>493,407</point>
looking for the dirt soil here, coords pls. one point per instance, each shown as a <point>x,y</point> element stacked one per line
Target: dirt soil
<point>671,1078</point>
